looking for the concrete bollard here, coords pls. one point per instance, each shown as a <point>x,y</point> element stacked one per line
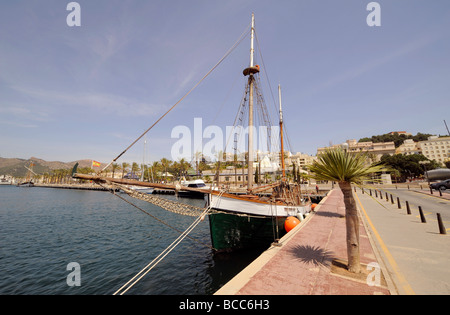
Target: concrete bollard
<point>422,217</point>
<point>408,210</point>
<point>442,229</point>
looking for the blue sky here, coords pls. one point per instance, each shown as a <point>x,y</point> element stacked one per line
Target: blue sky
<point>69,93</point>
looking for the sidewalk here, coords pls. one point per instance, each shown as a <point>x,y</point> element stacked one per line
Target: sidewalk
<point>310,260</point>
<point>445,194</point>
<point>417,257</point>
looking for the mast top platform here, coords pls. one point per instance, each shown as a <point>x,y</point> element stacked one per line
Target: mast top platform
<point>251,70</point>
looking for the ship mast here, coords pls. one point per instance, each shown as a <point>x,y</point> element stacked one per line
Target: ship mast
<point>250,71</point>
<point>283,167</point>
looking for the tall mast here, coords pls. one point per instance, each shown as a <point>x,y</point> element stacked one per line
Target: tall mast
<point>281,137</point>
<point>250,111</point>
<point>250,71</point>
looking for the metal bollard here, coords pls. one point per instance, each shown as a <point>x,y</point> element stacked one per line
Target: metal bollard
<point>440,192</point>
<point>387,197</point>
<point>422,217</point>
<point>370,191</point>
<point>442,229</point>
<point>398,203</point>
<point>376,194</point>
<point>392,199</point>
<point>408,210</point>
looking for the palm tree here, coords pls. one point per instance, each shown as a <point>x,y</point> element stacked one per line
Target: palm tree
<point>125,165</point>
<point>346,168</point>
<point>165,164</point>
<point>115,167</point>
<point>134,169</point>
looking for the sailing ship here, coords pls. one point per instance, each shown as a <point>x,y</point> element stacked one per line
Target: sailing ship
<point>28,181</point>
<point>241,221</point>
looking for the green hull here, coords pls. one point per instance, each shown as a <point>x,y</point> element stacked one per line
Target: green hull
<point>230,231</point>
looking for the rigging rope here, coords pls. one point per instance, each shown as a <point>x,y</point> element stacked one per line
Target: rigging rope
<point>149,214</point>
<point>195,86</point>
<point>122,290</point>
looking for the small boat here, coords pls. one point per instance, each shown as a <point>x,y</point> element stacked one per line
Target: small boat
<point>28,182</point>
<point>196,183</point>
<point>147,190</point>
<point>5,181</point>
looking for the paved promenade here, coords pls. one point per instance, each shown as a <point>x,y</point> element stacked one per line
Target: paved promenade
<point>416,255</point>
<point>310,260</point>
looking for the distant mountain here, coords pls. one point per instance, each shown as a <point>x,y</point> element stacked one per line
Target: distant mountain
<point>16,166</point>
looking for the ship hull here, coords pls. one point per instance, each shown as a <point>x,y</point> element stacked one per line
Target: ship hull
<point>240,224</point>
<point>231,232</point>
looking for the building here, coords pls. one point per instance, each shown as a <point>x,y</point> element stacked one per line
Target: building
<point>377,150</point>
<point>400,133</point>
<point>436,148</point>
<point>301,159</point>
<point>268,166</point>
<point>409,147</point>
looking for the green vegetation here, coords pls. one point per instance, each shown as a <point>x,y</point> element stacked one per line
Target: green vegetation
<point>407,166</point>
<point>398,139</point>
<point>346,168</point>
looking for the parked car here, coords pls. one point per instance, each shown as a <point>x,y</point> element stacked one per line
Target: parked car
<point>441,185</point>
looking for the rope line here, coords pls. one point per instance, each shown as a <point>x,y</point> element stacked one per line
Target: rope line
<point>243,35</point>
<point>152,216</point>
<point>122,290</point>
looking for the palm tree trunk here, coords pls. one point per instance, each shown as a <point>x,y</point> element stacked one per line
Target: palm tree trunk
<point>352,224</point>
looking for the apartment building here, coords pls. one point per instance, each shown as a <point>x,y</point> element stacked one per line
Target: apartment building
<point>377,150</point>
<point>436,148</point>
<point>409,147</point>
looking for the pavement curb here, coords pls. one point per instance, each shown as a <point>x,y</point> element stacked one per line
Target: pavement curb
<point>233,286</point>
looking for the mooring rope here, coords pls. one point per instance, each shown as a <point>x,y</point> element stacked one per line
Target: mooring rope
<point>127,286</point>
<point>152,216</point>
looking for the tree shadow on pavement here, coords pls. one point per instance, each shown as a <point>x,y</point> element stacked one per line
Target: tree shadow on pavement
<point>313,255</point>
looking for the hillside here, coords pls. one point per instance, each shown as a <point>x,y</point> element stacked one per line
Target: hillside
<point>16,166</point>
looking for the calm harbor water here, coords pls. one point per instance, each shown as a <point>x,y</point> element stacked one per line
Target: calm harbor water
<point>42,230</point>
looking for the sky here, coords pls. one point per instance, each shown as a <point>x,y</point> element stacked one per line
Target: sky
<point>88,91</point>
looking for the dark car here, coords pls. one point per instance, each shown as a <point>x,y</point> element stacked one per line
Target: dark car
<point>441,185</point>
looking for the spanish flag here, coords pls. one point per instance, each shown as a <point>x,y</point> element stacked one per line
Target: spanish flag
<point>95,164</point>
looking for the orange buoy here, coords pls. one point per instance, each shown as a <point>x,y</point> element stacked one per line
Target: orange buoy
<point>313,206</point>
<point>290,223</point>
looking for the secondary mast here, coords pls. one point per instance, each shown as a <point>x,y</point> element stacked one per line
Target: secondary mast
<point>283,167</point>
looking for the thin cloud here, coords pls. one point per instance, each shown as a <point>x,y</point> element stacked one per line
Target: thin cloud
<point>97,102</point>
<point>356,72</point>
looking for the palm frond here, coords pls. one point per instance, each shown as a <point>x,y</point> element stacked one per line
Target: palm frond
<point>341,166</point>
